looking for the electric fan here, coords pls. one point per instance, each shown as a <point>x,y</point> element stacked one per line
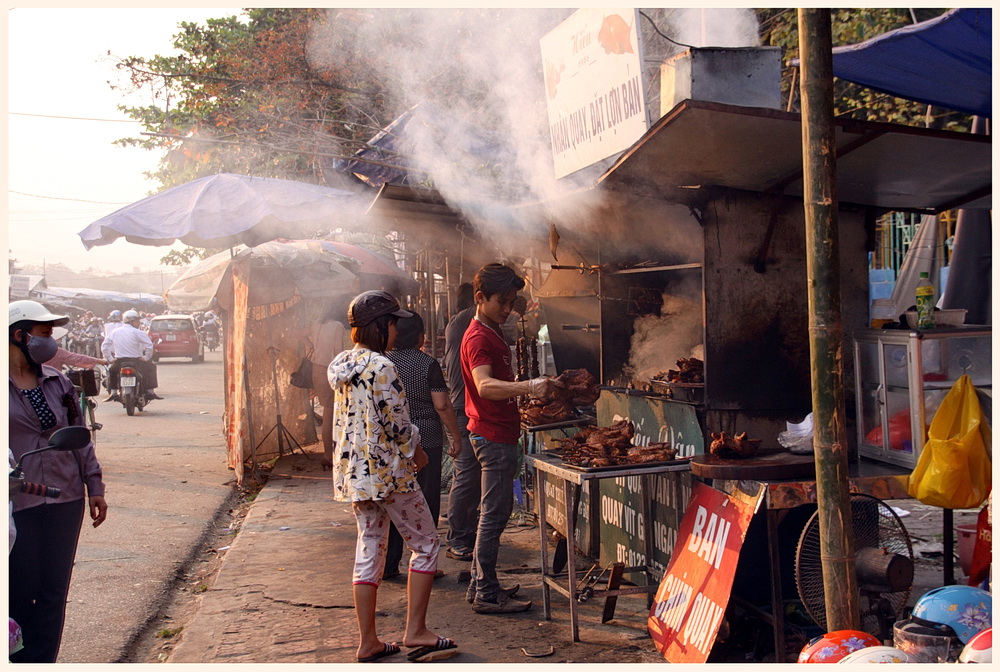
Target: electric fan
<point>883,561</point>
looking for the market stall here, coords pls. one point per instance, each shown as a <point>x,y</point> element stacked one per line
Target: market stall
<point>666,272</point>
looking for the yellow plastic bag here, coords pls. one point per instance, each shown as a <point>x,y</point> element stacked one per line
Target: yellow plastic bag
<point>953,470</point>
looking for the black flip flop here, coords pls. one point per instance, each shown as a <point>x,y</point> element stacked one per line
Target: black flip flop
<point>387,650</point>
<point>444,648</point>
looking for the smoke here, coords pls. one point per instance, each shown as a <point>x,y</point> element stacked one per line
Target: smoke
<point>480,67</point>
<point>481,70</point>
<point>658,342</point>
<point>715,27</point>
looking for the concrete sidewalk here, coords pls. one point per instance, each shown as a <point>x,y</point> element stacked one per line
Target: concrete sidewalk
<point>284,595</point>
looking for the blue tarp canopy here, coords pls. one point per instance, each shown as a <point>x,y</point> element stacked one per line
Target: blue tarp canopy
<point>946,61</point>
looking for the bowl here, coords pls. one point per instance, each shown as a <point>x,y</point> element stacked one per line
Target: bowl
<point>945,317</point>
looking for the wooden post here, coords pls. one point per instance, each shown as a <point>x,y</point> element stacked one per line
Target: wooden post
<point>819,166</point>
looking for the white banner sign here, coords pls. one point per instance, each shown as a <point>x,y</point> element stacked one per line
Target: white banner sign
<point>593,85</point>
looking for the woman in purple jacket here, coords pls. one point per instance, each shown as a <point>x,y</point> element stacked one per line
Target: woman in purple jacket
<point>41,401</point>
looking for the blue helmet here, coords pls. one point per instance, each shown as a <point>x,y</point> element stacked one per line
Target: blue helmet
<point>964,610</point>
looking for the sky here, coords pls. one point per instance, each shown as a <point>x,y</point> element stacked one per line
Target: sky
<point>62,119</point>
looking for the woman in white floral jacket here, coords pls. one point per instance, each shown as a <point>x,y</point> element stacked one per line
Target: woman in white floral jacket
<point>376,456</point>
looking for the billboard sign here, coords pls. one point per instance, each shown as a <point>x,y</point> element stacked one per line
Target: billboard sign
<point>592,64</point>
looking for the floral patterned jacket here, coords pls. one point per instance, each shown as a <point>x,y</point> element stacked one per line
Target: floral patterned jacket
<point>373,438</point>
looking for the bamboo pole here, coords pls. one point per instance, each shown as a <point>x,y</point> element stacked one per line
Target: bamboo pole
<point>819,165</point>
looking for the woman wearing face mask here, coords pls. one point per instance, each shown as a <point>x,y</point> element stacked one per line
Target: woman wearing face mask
<point>41,401</point>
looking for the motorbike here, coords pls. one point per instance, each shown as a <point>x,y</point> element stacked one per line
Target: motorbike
<point>74,437</point>
<point>131,387</point>
<point>211,339</point>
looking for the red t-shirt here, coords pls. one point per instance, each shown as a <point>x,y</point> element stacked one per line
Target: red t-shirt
<point>497,421</point>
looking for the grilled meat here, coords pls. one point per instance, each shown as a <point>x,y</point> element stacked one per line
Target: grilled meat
<point>611,446</point>
<point>689,370</point>
<point>733,447</point>
<point>579,388</point>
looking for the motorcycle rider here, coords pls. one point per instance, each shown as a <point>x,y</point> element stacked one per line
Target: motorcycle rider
<point>211,325</point>
<point>93,335</point>
<point>130,342</point>
<point>114,322</point>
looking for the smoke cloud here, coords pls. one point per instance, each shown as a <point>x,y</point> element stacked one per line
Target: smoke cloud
<point>715,27</point>
<point>481,66</point>
<point>658,342</point>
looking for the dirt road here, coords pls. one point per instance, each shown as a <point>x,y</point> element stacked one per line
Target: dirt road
<point>166,480</point>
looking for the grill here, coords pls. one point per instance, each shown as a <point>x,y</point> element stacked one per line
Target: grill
<point>627,319</point>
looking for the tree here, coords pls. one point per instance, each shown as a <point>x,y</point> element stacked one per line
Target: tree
<point>245,96</point>
<point>779,27</point>
<point>187,255</point>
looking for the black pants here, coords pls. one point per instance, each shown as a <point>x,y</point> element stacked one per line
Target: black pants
<point>41,564</point>
<point>429,479</point>
<point>147,369</point>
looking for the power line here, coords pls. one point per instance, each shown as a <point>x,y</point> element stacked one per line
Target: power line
<point>60,198</point>
<point>56,116</point>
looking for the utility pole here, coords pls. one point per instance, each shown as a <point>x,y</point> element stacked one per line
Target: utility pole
<point>826,331</point>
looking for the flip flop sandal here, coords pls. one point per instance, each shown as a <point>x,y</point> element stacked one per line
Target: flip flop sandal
<point>387,650</point>
<point>445,648</point>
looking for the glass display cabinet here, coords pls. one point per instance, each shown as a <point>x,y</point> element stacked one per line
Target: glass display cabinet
<point>901,376</point>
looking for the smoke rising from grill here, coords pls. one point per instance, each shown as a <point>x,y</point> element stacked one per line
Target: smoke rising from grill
<point>658,342</point>
<point>715,27</point>
<point>481,66</point>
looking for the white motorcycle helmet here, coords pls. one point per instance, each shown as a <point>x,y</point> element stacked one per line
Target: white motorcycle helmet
<point>878,654</point>
<point>34,312</point>
<point>130,315</point>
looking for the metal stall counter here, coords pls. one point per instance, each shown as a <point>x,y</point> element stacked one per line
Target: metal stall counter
<point>572,482</point>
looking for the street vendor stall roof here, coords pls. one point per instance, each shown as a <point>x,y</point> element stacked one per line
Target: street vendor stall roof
<point>947,61</point>
<point>703,144</point>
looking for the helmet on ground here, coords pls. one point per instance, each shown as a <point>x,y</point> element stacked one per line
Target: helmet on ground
<point>964,610</point>
<point>878,654</point>
<point>979,649</point>
<point>130,315</point>
<point>833,646</point>
<point>34,312</point>
<point>115,316</point>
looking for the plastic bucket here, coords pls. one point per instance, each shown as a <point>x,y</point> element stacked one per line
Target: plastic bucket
<point>966,544</point>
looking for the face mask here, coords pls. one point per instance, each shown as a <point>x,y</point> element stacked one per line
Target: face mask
<point>42,348</point>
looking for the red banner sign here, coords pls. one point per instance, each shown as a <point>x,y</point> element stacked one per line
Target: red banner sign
<point>692,597</point>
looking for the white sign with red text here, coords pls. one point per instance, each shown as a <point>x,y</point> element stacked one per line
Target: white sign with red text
<point>592,65</point>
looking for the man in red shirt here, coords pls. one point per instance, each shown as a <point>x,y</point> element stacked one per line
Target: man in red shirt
<point>494,428</point>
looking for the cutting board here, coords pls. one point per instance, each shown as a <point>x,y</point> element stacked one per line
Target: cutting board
<point>773,465</point>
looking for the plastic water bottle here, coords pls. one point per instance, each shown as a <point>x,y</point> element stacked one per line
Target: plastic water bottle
<point>925,302</point>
